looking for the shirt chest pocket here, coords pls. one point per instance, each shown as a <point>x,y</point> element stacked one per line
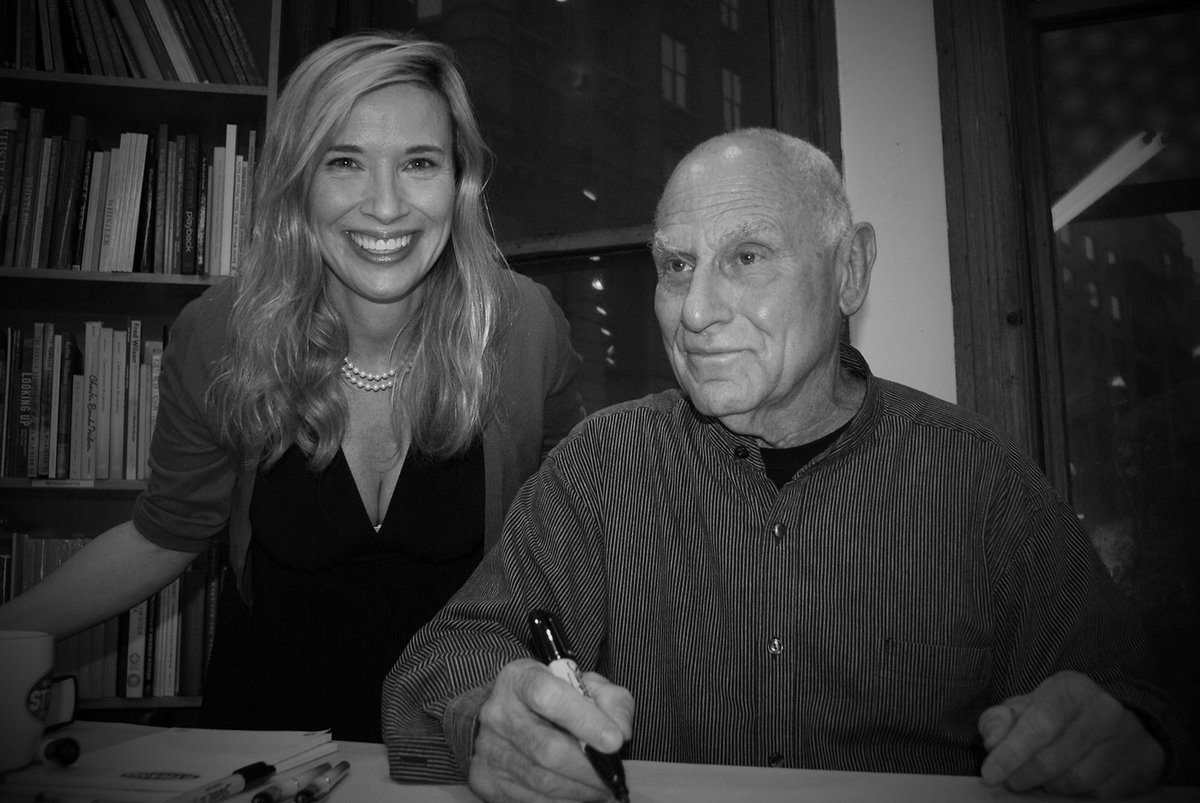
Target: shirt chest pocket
<point>935,663</point>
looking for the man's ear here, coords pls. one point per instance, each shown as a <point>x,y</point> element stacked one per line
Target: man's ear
<point>855,257</point>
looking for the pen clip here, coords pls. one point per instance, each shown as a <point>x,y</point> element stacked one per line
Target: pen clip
<point>547,640</point>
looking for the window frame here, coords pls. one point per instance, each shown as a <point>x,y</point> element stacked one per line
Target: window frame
<point>804,61</point>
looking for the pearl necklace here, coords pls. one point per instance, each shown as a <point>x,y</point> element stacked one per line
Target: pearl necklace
<point>365,381</point>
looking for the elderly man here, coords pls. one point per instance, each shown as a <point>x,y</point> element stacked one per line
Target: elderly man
<point>789,563</point>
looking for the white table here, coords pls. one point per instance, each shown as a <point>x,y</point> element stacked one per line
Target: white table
<point>658,782</point>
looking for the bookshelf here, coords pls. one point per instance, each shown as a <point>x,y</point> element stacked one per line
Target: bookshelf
<point>31,291</point>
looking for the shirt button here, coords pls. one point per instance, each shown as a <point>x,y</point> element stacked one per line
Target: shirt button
<point>779,531</point>
<point>741,452</point>
<point>774,646</point>
<point>775,760</point>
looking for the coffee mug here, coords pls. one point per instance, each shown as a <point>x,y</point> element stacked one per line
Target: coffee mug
<point>32,699</point>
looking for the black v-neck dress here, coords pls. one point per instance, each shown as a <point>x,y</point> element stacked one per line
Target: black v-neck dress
<point>335,601</point>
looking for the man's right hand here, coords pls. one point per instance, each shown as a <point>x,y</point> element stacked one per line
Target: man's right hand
<point>529,729</point>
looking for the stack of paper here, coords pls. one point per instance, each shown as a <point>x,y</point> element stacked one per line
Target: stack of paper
<point>169,762</point>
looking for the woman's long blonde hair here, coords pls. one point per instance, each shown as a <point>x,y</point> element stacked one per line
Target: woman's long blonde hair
<point>279,382</point>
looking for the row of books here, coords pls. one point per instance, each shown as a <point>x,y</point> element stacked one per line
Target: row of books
<point>156,203</point>
<point>159,648</point>
<point>78,414</point>
<point>173,40</point>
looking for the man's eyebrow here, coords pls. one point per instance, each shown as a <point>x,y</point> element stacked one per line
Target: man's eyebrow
<point>659,246</point>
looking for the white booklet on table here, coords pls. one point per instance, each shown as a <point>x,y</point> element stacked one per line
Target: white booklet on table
<point>169,762</point>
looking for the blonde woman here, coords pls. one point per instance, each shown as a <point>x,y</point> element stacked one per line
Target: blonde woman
<point>355,409</point>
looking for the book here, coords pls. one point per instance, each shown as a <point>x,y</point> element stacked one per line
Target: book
<point>78,14</point>
<point>138,40</point>
<point>97,205</point>
<point>27,210</point>
<point>171,762</point>
<point>66,198</point>
<point>143,258</point>
<point>203,213</point>
<point>55,27</point>
<point>226,42</point>
<point>69,366</point>
<point>19,433</point>
<point>81,207</point>
<point>109,30</point>
<point>132,398</point>
<point>50,436</point>
<point>51,59</point>
<point>27,35</point>
<point>171,40</point>
<point>131,211</point>
<point>162,149</point>
<point>193,585</point>
<point>91,399</point>
<point>75,447</point>
<point>10,130</point>
<point>37,359</point>
<point>104,401</point>
<point>16,172</point>
<point>116,425</point>
<point>135,651</point>
<point>39,248</point>
<point>193,40</point>
<point>46,419</point>
<point>75,53</point>
<point>241,45</point>
<point>118,165</point>
<point>94,12</point>
<point>150,645</point>
<point>207,25</point>
<point>125,48</point>
<point>154,39</point>
<point>189,243</point>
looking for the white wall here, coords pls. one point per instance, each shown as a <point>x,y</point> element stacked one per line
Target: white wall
<point>892,149</point>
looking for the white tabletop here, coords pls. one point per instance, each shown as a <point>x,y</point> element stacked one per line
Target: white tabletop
<point>659,782</point>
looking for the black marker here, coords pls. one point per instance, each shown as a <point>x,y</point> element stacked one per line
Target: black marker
<point>552,649</point>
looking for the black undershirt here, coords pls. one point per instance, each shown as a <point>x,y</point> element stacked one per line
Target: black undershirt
<point>782,464</point>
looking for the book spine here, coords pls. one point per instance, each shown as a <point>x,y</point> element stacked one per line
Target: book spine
<point>143,260</point>
<point>120,69</point>
<point>100,36</point>
<point>154,39</point>
<point>163,152</point>
<point>172,41</point>
<point>189,242</point>
<point>113,202</point>
<point>132,397</point>
<point>204,208</point>
<point>68,368</point>
<point>104,402</point>
<point>150,648</point>
<point>193,40</point>
<point>39,248</point>
<point>66,203</point>
<point>138,42</point>
<point>91,398</point>
<point>20,446</point>
<point>54,23</point>
<point>15,184</point>
<point>29,186</point>
<point>48,434</point>
<point>116,428</point>
<point>241,45</point>
<point>226,40</point>
<point>9,117</point>
<point>81,207</point>
<point>135,651</point>
<point>97,205</point>
<point>37,358</point>
<point>227,190</point>
<point>75,447</point>
<point>207,26</point>
<point>87,36</point>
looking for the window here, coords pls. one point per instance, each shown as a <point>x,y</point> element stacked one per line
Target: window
<point>1114,307</point>
<point>1089,248</point>
<point>731,99</point>
<point>674,72</point>
<point>428,8</point>
<point>729,14</point>
<point>1112,258</point>
<point>1093,295</point>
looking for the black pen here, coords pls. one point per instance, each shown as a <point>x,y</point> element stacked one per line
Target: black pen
<point>552,649</point>
<point>320,786</point>
<point>228,786</point>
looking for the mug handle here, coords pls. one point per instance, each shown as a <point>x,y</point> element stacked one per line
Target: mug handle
<point>63,700</point>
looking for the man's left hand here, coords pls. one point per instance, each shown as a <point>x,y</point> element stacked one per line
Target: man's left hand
<point>1069,737</point>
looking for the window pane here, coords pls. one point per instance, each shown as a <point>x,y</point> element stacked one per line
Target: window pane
<point>586,95</point>
<point>609,300</point>
<point>1133,394</point>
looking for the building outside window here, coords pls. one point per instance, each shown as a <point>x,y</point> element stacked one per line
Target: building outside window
<point>731,99</point>
<point>674,71</point>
